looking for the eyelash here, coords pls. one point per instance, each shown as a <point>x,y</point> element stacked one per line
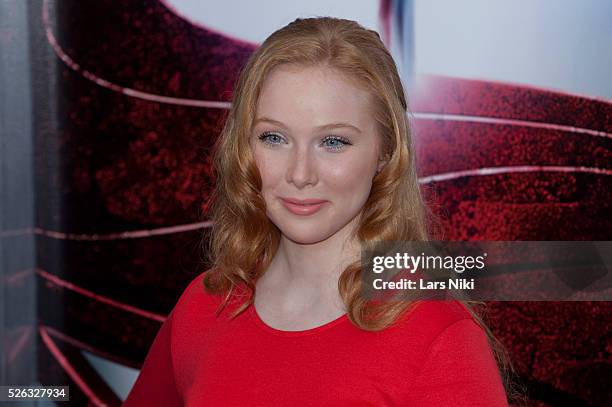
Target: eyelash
<point>341,139</point>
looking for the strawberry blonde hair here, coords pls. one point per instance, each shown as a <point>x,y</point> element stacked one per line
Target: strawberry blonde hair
<point>243,241</point>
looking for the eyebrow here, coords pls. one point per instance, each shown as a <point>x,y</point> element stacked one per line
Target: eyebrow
<point>322,127</point>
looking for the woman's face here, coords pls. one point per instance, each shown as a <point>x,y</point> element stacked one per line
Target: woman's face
<point>314,137</point>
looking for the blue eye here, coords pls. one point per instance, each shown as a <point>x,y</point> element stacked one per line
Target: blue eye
<point>267,135</point>
<point>264,137</point>
<point>338,142</point>
<point>331,142</point>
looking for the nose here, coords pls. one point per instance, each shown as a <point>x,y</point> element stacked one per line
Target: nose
<point>301,170</point>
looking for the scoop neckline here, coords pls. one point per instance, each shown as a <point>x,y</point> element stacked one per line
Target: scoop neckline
<point>310,331</point>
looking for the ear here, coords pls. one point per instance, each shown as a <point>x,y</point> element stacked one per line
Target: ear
<point>381,163</point>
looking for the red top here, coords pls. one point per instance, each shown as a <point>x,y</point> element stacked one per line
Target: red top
<point>435,355</point>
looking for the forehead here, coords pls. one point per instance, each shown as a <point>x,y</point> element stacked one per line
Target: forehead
<point>317,95</point>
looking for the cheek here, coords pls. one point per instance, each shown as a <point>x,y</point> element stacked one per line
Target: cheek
<point>351,179</point>
<point>270,169</point>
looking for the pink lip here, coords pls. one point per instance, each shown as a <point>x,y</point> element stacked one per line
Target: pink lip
<point>303,201</point>
<point>303,206</point>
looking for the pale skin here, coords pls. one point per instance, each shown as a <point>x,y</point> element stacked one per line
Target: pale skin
<point>298,158</point>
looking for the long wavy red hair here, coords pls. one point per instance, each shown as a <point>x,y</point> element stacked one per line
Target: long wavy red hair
<point>243,241</point>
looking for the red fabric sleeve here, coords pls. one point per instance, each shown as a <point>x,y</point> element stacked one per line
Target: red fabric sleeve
<point>460,370</point>
<point>155,385</point>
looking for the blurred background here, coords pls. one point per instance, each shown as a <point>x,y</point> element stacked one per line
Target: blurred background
<point>109,110</point>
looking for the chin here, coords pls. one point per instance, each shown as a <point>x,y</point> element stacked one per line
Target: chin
<point>306,238</point>
<point>308,234</point>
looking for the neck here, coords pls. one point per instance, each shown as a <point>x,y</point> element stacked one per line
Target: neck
<point>311,270</point>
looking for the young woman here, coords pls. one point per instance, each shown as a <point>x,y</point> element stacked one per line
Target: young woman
<point>314,161</point>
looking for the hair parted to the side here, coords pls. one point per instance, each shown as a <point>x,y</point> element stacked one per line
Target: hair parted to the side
<point>243,241</point>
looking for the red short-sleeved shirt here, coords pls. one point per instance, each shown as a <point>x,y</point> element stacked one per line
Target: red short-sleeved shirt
<point>435,355</point>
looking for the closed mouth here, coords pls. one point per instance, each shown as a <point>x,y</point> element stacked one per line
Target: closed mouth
<point>306,202</point>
